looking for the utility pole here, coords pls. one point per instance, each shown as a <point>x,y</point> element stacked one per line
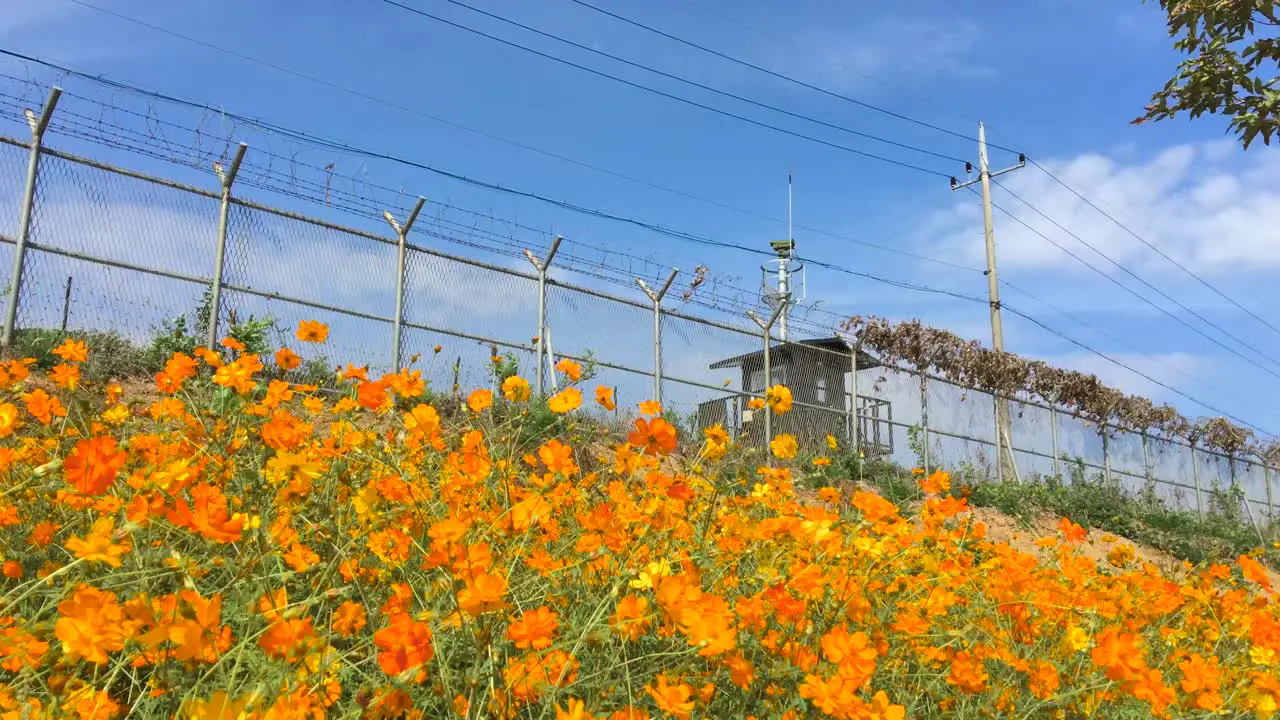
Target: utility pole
<point>1004,435</point>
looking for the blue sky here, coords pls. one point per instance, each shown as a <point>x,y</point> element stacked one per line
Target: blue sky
<point>1057,80</point>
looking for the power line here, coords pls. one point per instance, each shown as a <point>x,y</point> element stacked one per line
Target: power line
<point>1131,369</point>
<point>1133,292</point>
<point>508,141</point>
<point>781,76</point>
<point>702,86</point>
<point>1158,251</point>
<point>1116,339</point>
<point>1134,275</point>
<point>663,93</point>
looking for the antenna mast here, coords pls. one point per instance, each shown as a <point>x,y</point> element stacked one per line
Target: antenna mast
<point>782,295</point>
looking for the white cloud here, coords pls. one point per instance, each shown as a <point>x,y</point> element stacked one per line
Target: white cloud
<point>1210,207</point>
<point>1172,368</point>
<point>897,49</point>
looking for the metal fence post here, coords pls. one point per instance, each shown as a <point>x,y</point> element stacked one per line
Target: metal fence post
<point>38,125</point>
<point>1266,475</point>
<point>656,298</point>
<point>766,330</point>
<point>1195,475</point>
<point>227,177</point>
<point>995,410</point>
<point>540,345</point>
<point>1053,432</point>
<point>1106,453</point>
<point>854,431</point>
<point>66,305</point>
<point>1146,462</point>
<point>924,421</point>
<point>402,232</point>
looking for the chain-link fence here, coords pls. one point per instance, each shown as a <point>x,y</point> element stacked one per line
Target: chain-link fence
<point>108,248</point>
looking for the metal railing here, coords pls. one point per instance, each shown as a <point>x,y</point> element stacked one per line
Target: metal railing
<point>144,249</point>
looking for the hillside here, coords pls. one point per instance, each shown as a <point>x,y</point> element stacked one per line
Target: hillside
<point>236,544</point>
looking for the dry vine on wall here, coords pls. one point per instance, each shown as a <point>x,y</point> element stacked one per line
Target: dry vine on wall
<point>967,363</point>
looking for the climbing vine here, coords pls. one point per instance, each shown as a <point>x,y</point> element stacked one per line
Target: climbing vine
<point>967,363</point>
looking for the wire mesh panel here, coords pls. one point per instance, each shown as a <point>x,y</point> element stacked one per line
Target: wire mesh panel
<point>448,295</point>
<point>617,333</point>
<point>286,259</point>
<point>706,369</point>
<point>85,219</point>
<point>816,372</point>
<point>12,185</point>
<point>13,162</point>
<point>465,362</point>
<point>1171,467</point>
<point>118,218</point>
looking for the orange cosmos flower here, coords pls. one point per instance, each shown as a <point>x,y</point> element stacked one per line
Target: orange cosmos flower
<point>1118,653</point>
<point>284,431</point>
<point>43,533</point>
<point>558,458</point>
<point>937,483</point>
<point>9,419</point>
<point>90,704</point>
<point>535,629</point>
<point>65,376</point>
<point>300,557</point>
<point>43,406</point>
<point>654,437</point>
<point>349,619</point>
<point>404,645</point>
<point>778,398</point>
<point>11,569</point>
<point>72,351</point>
<point>219,706</point>
<point>207,514</point>
<point>515,389</point>
<point>90,625</point>
<point>391,546</point>
<point>574,710</point>
<point>480,400</point>
<point>238,375</point>
<point>565,401</point>
<point>671,699</point>
<point>231,343</point>
<point>180,366</point>
<point>287,359</point>
<point>967,673</point>
<point>784,446</point>
<point>651,407</point>
<point>630,618</point>
<point>288,638</point>
<point>99,544</point>
<point>210,358</point>
<point>755,403</point>
<point>604,397</point>
<point>1044,680</point>
<point>1071,532</point>
<point>482,594</point>
<point>570,368</point>
<point>373,396</point>
<point>93,465</point>
<point>312,331</point>
<point>1254,571</point>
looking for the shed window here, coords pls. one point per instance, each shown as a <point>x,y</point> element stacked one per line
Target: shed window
<point>757,376</point>
<point>822,391</point>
